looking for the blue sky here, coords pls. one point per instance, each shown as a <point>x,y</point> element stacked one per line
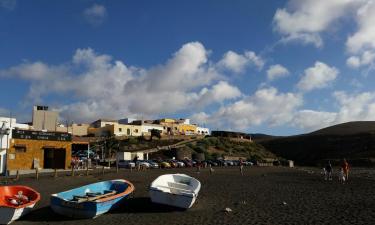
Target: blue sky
<point>277,67</point>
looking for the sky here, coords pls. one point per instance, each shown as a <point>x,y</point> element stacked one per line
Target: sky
<point>275,67</point>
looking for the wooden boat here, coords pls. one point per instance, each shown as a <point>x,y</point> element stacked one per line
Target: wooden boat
<point>177,190</point>
<point>16,201</point>
<point>91,200</point>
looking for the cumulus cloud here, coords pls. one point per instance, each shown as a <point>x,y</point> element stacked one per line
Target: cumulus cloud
<point>317,77</point>
<point>311,120</point>
<point>265,106</point>
<point>277,71</point>
<point>351,107</point>
<point>365,36</point>
<point>99,86</point>
<point>95,14</point>
<point>238,62</point>
<point>367,58</point>
<point>303,21</point>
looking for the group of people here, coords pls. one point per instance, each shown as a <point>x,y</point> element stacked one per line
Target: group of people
<point>343,173</point>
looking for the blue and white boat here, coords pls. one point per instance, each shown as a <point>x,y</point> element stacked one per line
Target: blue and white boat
<point>91,200</point>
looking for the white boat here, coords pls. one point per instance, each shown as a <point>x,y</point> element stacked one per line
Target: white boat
<point>16,201</point>
<point>177,190</point>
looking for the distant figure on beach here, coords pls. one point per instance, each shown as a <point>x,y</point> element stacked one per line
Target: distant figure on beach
<point>345,168</point>
<point>342,177</point>
<point>328,171</point>
<point>211,169</point>
<point>241,167</point>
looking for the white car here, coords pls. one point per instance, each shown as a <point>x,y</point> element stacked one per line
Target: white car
<point>180,164</point>
<point>126,164</point>
<point>144,163</point>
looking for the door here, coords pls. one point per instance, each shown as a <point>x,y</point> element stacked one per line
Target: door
<point>54,158</point>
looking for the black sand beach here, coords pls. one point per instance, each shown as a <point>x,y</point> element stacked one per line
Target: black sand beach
<point>262,196</point>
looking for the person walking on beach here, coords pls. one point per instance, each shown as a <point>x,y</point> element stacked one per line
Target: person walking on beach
<point>345,168</point>
<point>241,167</point>
<point>328,175</point>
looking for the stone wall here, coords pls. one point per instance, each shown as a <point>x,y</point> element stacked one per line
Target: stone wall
<point>34,150</point>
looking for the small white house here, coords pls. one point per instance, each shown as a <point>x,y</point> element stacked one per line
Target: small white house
<point>129,155</point>
<point>6,126</point>
<point>203,130</point>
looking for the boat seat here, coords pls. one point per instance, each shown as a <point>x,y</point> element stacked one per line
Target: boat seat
<point>93,194</point>
<point>179,186</point>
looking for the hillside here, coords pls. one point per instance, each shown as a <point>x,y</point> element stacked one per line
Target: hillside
<point>349,128</point>
<point>214,147</point>
<point>354,141</point>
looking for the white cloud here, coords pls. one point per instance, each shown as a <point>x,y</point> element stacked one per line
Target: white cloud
<point>367,58</point>
<point>277,71</point>
<point>237,62</point>
<point>265,106</point>
<point>8,4</point>
<point>355,106</point>
<point>313,120</point>
<point>317,77</point>
<point>351,107</point>
<point>95,15</point>
<point>303,21</point>
<point>98,86</point>
<point>365,36</point>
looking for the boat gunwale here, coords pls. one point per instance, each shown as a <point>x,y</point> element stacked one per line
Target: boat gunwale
<point>32,202</point>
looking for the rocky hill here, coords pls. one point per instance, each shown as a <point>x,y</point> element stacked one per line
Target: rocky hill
<point>354,141</point>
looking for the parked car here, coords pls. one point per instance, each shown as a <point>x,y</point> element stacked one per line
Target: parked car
<point>165,164</point>
<point>248,163</point>
<point>180,164</point>
<point>229,163</point>
<point>153,164</point>
<point>143,163</point>
<point>187,162</point>
<point>221,162</point>
<point>211,162</point>
<point>126,164</point>
<point>172,162</point>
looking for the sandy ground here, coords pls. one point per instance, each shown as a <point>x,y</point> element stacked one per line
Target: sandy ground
<point>261,196</point>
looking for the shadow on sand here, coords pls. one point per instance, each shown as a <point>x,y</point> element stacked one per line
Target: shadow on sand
<point>144,205</point>
<point>44,214</point>
<point>132,205</point>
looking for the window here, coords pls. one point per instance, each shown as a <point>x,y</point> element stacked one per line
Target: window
<point>20,149</point>
<point>136,130</point>
<point>120,130</point>
<point>175,128</point>
<point>128,131</point>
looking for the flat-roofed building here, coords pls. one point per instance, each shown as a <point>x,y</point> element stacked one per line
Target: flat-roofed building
<point>103,122</point>
<point>38,149</point>
<point>44,119</point>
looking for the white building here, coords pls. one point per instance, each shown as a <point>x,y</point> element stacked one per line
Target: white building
<point>6,126</point>
<point>147,127</point>
<point>203,130</point>
<point>126,121</point>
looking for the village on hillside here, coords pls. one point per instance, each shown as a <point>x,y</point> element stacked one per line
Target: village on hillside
<point>45,143</point>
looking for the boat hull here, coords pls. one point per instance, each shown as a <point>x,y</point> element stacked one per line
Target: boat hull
<point>83,210</point>
<point>63,204</point>
<point>8,215</point>
<point>180,201</point>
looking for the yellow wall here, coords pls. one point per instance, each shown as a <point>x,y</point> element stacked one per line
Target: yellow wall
<point>187,128</point>
<point>34,149</point>
<point>166,120</point>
